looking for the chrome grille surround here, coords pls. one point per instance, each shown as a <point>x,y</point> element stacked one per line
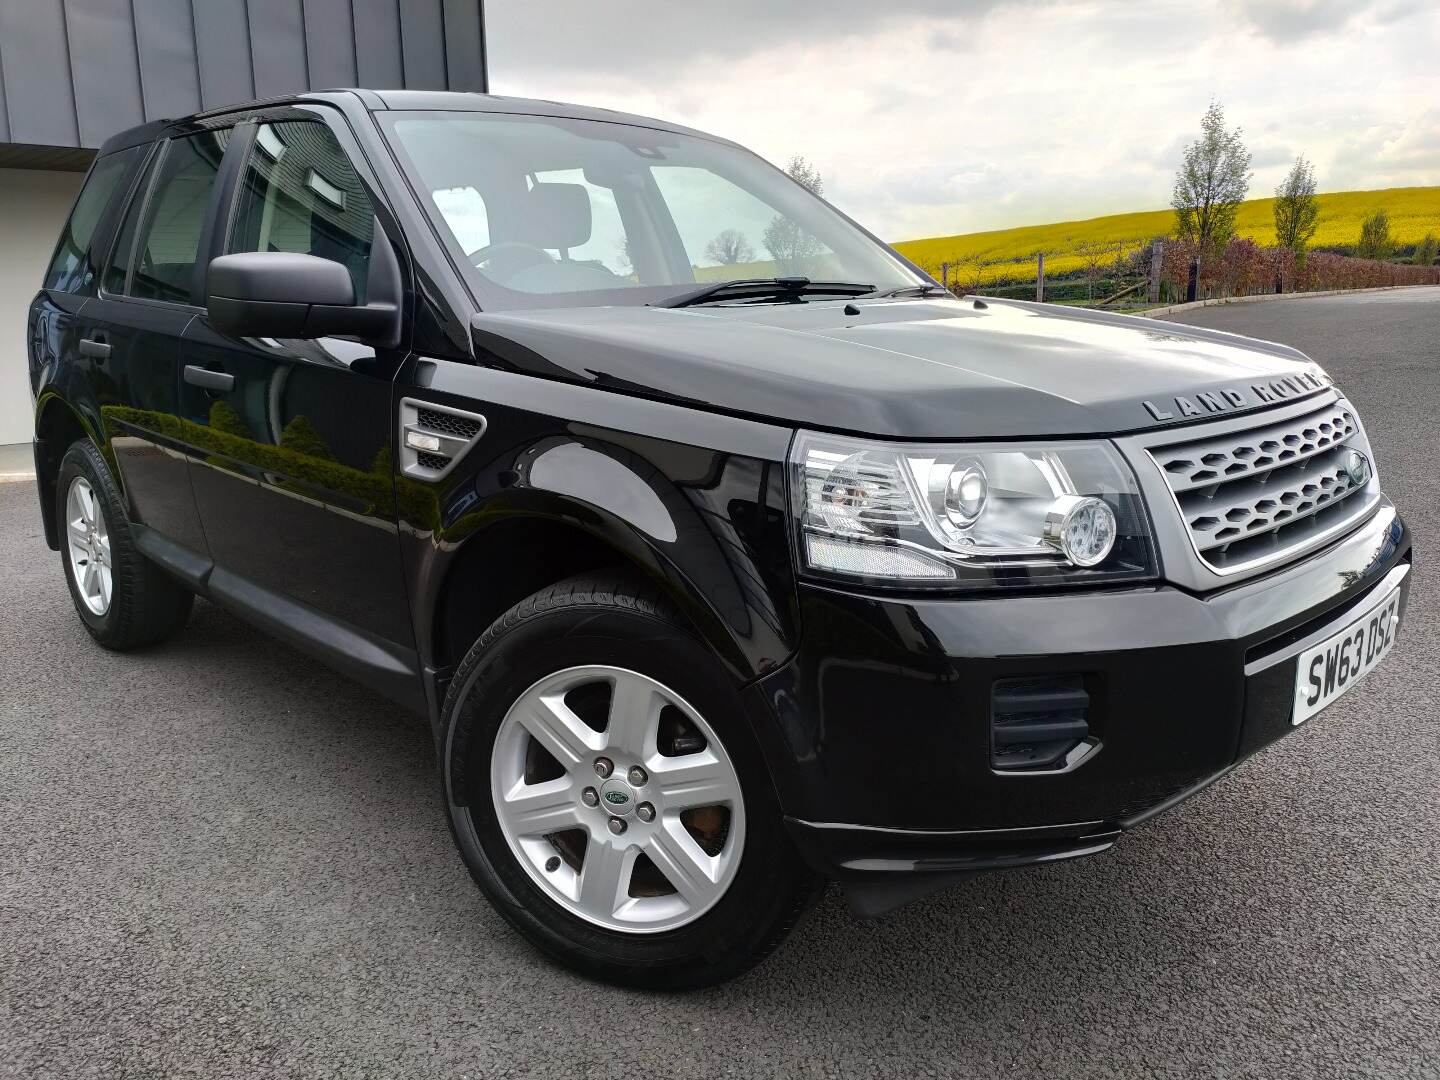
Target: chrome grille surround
<point>1261,491</point>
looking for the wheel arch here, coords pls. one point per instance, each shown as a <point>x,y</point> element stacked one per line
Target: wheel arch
<point>540,539</point>
<point>58,424</point>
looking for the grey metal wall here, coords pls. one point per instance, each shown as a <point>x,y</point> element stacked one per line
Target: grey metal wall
<point>73,72</point>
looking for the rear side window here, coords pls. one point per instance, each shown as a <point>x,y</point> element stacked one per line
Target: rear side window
<point>117,268</point>
<point>72,267</point>
<point>301,194</point>
<point>161,262</point>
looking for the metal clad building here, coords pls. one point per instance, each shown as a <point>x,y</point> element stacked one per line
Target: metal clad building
<point>74,72</point>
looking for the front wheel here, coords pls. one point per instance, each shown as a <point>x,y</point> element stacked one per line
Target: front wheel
<point>607,795</point>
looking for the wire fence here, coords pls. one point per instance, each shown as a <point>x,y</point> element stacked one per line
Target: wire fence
<point>1175,271</point>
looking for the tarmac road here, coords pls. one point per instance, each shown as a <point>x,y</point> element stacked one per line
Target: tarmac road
<point>220,860</point>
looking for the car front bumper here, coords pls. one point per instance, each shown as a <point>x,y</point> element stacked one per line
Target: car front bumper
<point>878,729</point>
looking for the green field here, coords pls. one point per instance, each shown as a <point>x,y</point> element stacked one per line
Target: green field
<point>1009,254</point>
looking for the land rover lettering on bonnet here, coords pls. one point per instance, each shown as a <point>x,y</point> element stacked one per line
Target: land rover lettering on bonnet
<point>1231,398</point>
<point>452,393</point>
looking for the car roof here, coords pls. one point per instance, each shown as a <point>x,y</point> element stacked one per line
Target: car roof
<point>397,100</point>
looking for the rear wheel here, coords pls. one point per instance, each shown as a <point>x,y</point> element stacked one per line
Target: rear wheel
<point>607,795</point>
<point>124,600</point>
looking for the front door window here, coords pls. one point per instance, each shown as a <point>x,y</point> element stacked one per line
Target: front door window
<point>300,194</point>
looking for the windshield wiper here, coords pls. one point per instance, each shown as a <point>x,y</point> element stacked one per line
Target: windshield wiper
<point>776,288</point>
<point>916,290</point>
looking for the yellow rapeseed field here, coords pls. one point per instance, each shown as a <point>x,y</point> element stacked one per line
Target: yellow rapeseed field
<point>1009,254</point>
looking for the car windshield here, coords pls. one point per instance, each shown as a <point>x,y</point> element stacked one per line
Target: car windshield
<point>547,211</point>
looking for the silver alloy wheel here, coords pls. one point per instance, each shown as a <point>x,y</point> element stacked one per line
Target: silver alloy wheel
<point>89,539</point>
<point>601,888</point>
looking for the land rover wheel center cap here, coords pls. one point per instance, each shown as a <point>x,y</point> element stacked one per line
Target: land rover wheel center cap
<point>617,798</point>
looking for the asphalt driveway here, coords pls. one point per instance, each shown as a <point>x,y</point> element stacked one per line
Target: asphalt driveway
<point>218,859</point>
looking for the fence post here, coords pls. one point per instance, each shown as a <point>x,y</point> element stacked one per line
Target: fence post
<point>1040,278</point>
<point>945,275</point>
<point>1192,288</point>
<point>1157,260</point>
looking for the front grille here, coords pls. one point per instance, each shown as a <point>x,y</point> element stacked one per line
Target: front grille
<point>1253,496</point>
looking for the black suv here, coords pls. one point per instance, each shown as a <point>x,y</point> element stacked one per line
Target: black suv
<point>725,552</point>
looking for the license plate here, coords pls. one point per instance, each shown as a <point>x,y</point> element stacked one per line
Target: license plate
<point>1335,665</point>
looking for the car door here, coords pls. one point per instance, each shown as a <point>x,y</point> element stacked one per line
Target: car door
<point>290,439</point>
<point>131,329</point>
<point>58,349</point>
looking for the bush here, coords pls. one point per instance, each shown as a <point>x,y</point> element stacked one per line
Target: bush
<point>1243,268</point>
<point>1375,241</point>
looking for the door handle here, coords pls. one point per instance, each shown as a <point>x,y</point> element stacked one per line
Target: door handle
<point>95,348</point>
<point>209,380</point>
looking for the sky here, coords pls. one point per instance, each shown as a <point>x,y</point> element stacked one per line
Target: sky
<point>929,118</point>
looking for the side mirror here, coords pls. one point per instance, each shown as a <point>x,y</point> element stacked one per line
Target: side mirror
<point>283,294</point>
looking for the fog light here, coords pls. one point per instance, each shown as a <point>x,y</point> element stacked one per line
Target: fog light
<point>1357,467</point>
<point>1082,528</point>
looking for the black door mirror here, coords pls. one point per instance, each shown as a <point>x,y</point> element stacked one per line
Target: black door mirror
<point>283,294</point>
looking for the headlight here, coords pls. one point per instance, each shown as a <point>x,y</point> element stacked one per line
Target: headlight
<point>949,516</point>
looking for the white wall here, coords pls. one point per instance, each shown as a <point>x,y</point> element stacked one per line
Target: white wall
<point>33,205</point>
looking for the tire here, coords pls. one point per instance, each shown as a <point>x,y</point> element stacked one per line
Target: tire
<point>124,600</point>
<point>608,631</point>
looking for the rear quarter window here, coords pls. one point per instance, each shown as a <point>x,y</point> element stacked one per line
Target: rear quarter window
<point>73,265</point>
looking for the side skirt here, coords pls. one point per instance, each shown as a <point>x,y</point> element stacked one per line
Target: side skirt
<point>381,665</point>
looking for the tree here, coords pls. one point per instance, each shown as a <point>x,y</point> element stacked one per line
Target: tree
<point>1211,183</point>
<point>788,244</point>
<point>1092,265</point>
<point>1297,211</point>
<point>969,275</point>
<point>1375,241</point>
<point>792,248</point>
<point>806,174</point>
<point>730,247</point>
<point>1427,250</point>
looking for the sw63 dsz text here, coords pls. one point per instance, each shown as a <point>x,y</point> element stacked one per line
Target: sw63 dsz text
<point>725,552</point>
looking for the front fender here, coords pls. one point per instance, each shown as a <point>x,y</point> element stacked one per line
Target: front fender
<point>712,533</point>
<point>704,545</point>
<point>706,522</point>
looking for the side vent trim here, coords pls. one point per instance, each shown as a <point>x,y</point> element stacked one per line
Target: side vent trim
<point>433,438</point>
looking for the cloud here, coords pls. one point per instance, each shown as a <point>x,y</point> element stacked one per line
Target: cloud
<point>1288,21</point>
<point>930,119</point>
<point>627,38</point>
<point>1406,152</point>
<point>1265,154</point>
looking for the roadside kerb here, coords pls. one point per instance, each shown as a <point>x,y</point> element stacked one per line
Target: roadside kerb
<point>1258,297</point>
